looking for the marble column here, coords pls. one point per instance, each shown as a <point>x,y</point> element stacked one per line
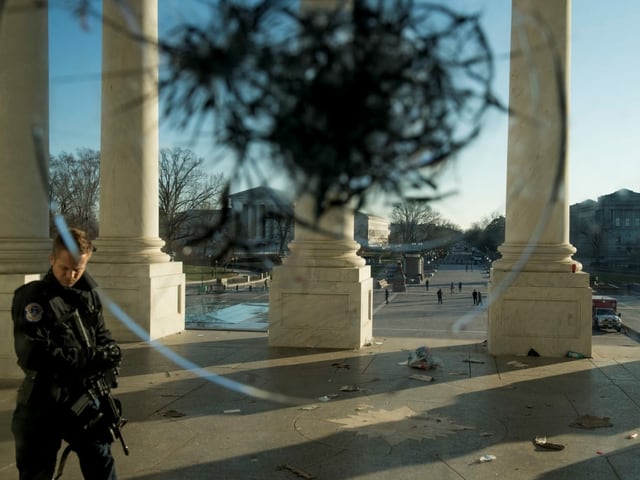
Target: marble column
<point>24,149</point>
<point>322,295</point>
<point>129,264</point>
<point>539,297</point>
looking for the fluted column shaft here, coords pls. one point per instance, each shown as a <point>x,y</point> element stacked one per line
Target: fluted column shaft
<point>129,134</point>
<point>537,209</point>
<point>24,137</point>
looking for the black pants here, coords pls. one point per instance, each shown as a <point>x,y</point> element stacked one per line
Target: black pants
<point>38,432</point>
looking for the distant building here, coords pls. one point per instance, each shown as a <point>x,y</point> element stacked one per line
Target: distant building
<point>371,230</point>
<point>263,218</point>
<point>607,232</point>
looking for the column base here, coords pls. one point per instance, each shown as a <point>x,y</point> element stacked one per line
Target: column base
<point>315,307</point>
<point>9,369</point>
<point>153,295</point>
<point>549,312</point>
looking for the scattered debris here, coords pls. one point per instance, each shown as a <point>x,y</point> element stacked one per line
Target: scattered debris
<point>350,388</point>
<point>173,414</point>
<point>346,366</point>
<point>532,353</point>
<point>326,398</point>
<point>296,470</point>
<point>487,458</point>
<point>309,407</point>
<point>590,422</point>
<point>423,378</point>
<point>633,435</point>
<point>460,374</point>
<point>468,360</point>
<point>572,354</point>
<point>422,359</point>
<point>542,442</point>
<point>399,424</point>
<point>517,364</point>
<point>232,410</point>
<point>487,434</point>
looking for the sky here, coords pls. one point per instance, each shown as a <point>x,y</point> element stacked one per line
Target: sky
<point>604,102</point>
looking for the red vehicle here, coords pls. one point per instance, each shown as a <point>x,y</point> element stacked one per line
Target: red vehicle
<point>605,313</point>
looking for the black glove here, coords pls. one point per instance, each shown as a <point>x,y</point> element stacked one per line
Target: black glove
<point>107,356</point>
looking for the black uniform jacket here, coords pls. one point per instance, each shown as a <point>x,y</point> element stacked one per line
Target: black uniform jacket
<point>53,358</point>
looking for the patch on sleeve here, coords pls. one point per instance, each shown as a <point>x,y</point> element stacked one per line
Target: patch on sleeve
<point>33,312</point>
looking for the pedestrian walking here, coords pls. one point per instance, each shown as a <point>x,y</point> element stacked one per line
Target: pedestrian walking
<point>426,284</point>
<point>479,298</point>
<point>452,288</point>
<point>439,294</point>
<point>386,295</point>
<point>459,287</point>
<point>475,296</point>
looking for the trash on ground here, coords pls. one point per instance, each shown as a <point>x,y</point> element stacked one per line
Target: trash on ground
<point>542,442</point>
<point>326,398</point>
<point>487,434</point>
<point>487,458</point>
<point>572,354</point>
<point>350,388</point>
<point>296,470</point>
<point>232,410</point>
<point>341,365</point>
<point>423,378</point>
<point>309,407</point>
<point>633,435</point>
<point>468,360</point>
<point>517,364</point>
<point>532,353</point>
<point>422,359</point>
<point>173,414</point>
<point>590,421</point>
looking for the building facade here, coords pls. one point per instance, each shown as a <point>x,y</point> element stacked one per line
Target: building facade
<point>371,230</point>
<point>263,218</point>
<point>606,232</point>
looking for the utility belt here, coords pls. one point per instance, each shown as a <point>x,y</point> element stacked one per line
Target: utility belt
<point>37,389</point>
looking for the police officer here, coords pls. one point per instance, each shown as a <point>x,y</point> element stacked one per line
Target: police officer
<point>56,364</point>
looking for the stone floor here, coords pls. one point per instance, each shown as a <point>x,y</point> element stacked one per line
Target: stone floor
<point>212,404</point>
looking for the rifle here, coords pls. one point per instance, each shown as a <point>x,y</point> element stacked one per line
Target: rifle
<point>96,405</point>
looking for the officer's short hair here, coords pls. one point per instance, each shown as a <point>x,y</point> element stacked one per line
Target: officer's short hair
<point>79,236</point>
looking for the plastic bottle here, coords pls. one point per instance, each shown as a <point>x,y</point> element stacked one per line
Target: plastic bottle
<point>572,354</point>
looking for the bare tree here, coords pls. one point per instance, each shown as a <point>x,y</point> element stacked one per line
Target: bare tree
<point>74,187</point>
<point>282,227</point>
<point>184,187</point>
<point>412,219</point>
